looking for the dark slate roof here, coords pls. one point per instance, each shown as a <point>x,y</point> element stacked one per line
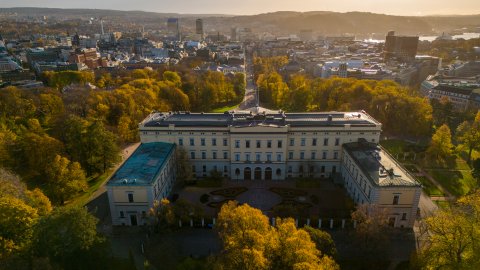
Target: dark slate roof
<point>380,168</point>
<point>245,118</point>
<point>142,167</point>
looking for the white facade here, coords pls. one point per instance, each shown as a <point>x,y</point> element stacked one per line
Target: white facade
<point>270,146</point>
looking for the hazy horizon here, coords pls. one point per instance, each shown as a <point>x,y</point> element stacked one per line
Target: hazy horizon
<point>251,7</point>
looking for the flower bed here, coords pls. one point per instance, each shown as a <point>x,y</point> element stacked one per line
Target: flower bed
<point>229,192</point>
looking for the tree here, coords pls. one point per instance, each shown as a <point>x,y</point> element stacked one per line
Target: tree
<point>249,242</point>
<point>36,199</point>
<point>162,214</point>
<point>67,236</point>
<point>372,229</point>
<point>17,220</point>
<point>183,167</point>
<point>65,179</point>
<point>323,241</point>
<point>101,149</point>
<point>248,239</point>
<point>453,236</point>
<point>296,250</point>
<point>441,143</point>
<point>468,134</point>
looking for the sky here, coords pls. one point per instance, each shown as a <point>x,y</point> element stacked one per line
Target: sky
<point>245,7</point>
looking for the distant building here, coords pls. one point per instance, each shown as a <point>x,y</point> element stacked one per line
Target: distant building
<point>400,48</point>
<point>199,27</point>
<point>173,28</point>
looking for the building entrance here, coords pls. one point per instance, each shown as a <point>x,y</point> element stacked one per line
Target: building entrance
<point>258,173</point>
<point>247,173</point>
<point>268,173</point>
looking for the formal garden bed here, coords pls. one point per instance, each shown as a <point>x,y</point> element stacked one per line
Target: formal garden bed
<point>288,192</point>
<point>229,192</point>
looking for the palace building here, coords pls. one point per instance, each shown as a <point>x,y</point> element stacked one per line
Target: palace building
<point>260,144</point>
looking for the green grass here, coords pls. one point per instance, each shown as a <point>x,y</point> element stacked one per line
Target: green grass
<point>94,184</point>
<point>224,109</point>
<point>442,204</point>
<point>456,182</point>
<point>429,187</point>
<point>207,183</point>
<point>394,147</point>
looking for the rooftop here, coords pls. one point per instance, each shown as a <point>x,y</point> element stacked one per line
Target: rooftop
<point>259,116</point>
<point>381,169</point>
<point>141,168</point>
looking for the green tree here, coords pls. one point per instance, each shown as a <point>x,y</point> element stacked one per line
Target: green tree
<point>17,220</point>
<point>441,143</point>
<point>323,241</point>
<point>468,134</point>
<point>101,149</point>
<point>67,236</point>
<point>453,236</point>
<point>65,179</point>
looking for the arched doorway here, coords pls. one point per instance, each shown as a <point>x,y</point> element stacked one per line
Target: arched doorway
<point>268,173</point>
<point>247,173</point>
<point>258,173</point>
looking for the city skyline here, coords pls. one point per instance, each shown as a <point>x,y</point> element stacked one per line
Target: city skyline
<point>249,7</point>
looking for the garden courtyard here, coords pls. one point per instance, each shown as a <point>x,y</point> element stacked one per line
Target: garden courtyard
<point>308,198</point>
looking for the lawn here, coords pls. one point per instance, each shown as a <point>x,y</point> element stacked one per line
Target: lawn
<point>394,147</point>
<point>458,182</point>
<point>307,183</point>
<point>224,109</point>
<point>94,184</point>
<point>428,187</point>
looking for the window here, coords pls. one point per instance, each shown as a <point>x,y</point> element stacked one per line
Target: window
<point>314,155</point>
<point>214,142</point>
<point>302,155</point>
<point>204,169</point>
<point>292,142</point>
<point>192,155</point>
<point>302,142</point>
<point>214,155</point>
<point>130,197</point>
<point>194,169</point>
<point>290,169</point>
<point>325,141</point>
<point>279,157</point>
<point>237,144</point>
<point>314,142</point>
<point>279,172</point>
<point>180,142</point>
<point>279,144</point>
<point>122,214</point>
<point>225,169</point>
<point>259,144</point>
<point>404,216</point>
<point>324,155</point>
<point>290,155</point>
<point>247,157</point>
<point>247,144</point>
<point>337,141</point>
<point>396,198</point>
<point>202,141</point>
<point>269,144</point>
<point>258,156</point>
<point>192,142</point>
<point>144,214</point>
<point>335,155</point>
<point>237,157</point>
<point>269,157</point>
<point>225,142</point>
<point>204,155</point>
<point>322,169</point>
<point>225,155</point>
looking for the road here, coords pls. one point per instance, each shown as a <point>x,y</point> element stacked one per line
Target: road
<point>250,99</point>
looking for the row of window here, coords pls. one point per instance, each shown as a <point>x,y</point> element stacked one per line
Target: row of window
<point>268,156</point>
<point>258,143</point>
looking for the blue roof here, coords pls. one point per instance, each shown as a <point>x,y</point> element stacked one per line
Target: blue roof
<point>142,167</point>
